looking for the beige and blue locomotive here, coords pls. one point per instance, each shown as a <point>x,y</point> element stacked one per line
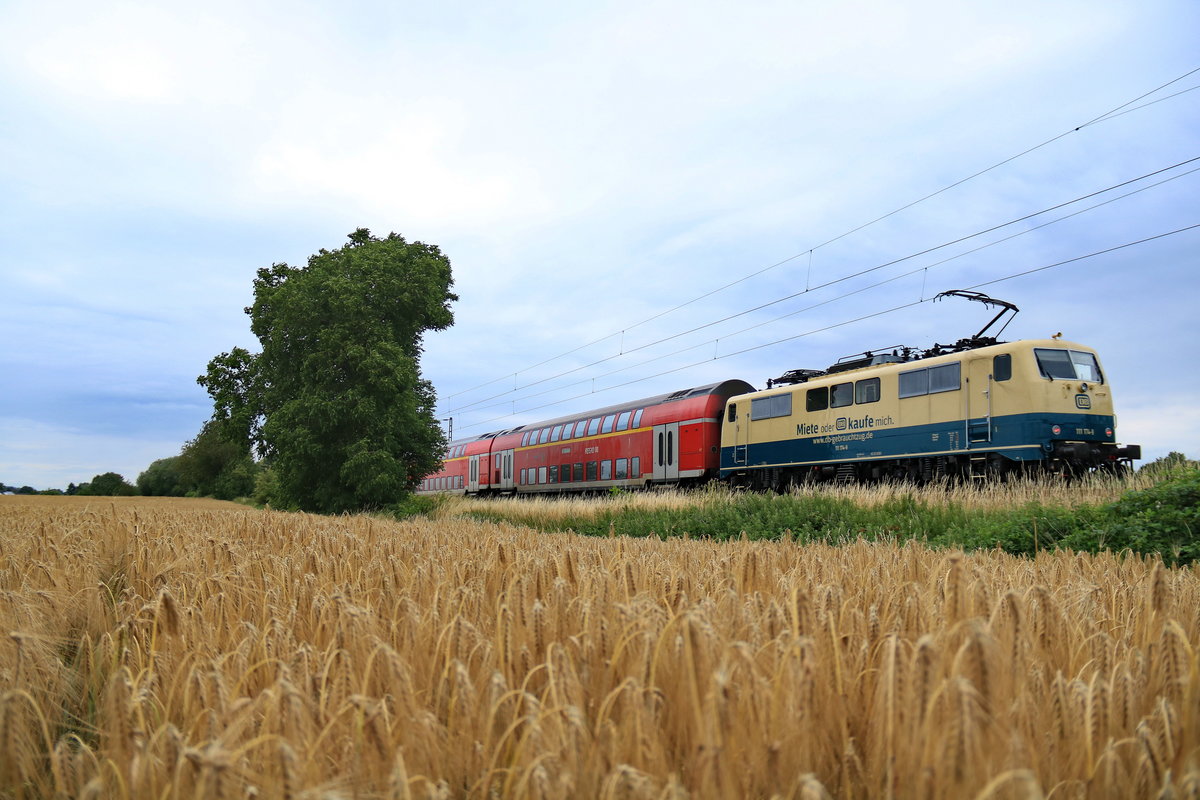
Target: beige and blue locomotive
<point>1023,406</point>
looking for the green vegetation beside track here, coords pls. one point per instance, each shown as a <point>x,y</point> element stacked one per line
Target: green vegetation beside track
<point>1161,517</point>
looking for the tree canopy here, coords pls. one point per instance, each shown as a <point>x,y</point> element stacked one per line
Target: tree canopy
<point>335,400</point>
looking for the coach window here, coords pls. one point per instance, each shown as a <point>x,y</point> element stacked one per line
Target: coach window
<point>622,468</point>
<point>542,474</point>
<point>637,418</point>
<point>817,399</point>
<point>593,427</point>
<point>554,474</point>
<point>635,467</point>
<point>608,423</point>
<point>556,434</point>
<point>524,438</point>
<point>564,474</point>
<point>841,394</point>
<point>866,391</point>
<point>545,436</point>
<point>623,421</point>
<point>945,378</point>
<point>606,470</point>
<point>1002,367</point>
<point>578,476</point>
<point>591,470</point>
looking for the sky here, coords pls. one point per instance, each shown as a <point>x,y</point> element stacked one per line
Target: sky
<point>618,185</point>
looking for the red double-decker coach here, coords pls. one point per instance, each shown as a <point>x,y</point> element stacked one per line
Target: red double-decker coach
<point>669,439</point>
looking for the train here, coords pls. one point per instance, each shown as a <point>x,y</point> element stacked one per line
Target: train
<point>978,408</point>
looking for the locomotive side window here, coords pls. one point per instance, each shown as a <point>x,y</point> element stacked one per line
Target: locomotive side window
<point>866,391</point>
<point>779,405</point>
<point>817,399</point>
<point>732,416</point>
<point>1002,367</point>
<point>593,427</point>
<point>841,394</point>
<point>946,378</point>
<point>914,383</point>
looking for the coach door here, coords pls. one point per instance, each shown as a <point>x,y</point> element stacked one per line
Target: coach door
<point>666,452</point>
<point>504,471</point>
<point>473,472</point>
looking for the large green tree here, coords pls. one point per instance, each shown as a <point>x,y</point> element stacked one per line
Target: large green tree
<point>335,400</point>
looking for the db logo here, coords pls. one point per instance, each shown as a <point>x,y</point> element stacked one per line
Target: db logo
<point>1083,401</point>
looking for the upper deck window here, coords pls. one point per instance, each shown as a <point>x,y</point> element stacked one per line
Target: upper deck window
<point>1068,365</point>
<point>637,418</point>
<point>623,421</point>
<point>593,427</point>
<point>556,434</point>
<point>608,424</point>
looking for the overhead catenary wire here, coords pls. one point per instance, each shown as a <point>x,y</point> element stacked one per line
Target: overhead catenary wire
<point>1112,113</point>
<point>624,352</point>
<point>841,324</point>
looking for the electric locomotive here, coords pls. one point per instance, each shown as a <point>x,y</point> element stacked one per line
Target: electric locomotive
<point>977,408</point>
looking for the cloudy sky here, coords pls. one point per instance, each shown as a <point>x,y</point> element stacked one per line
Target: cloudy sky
<point>596,175</point>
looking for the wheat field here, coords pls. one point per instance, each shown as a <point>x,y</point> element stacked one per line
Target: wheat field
<point>196,649</point>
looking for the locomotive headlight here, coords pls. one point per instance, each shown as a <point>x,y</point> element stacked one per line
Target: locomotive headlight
<point>1056,430</point>
<point>1083,387</point>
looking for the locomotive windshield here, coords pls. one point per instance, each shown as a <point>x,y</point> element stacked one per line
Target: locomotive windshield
<point>1070,365</point>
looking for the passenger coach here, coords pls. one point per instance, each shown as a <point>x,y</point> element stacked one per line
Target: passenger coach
<point>664,440</point>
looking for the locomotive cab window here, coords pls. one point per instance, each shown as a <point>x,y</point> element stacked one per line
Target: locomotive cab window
<point>1070,365</point>
<point>817,399</point>
<point>841,394</point>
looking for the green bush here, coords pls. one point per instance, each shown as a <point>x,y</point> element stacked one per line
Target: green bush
<point>1162,519</point>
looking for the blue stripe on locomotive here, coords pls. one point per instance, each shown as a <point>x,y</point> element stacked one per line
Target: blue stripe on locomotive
<point>1020,437</point>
